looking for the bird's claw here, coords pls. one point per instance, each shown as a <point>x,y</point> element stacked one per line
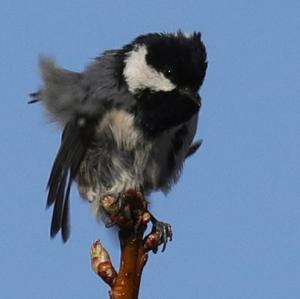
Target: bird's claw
<point>161,234</point>
<point>129,210</point>
<point>166,234</point>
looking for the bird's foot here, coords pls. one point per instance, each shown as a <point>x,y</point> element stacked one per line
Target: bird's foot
<point>127,209</point>
<point>161,233</point>
<point>113,206</point>
<point>139,209</point>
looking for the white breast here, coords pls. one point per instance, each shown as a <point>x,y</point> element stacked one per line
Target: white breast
<point>121,125</point>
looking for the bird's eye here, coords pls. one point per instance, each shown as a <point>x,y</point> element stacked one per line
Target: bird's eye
<point>169,71</point>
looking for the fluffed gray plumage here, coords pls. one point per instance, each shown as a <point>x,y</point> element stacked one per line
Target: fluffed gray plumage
<point>129,119</point>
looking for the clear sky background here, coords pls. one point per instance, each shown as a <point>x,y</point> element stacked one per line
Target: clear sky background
<point>236,210</point>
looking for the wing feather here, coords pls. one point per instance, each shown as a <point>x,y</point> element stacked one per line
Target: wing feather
<point>75,142</point>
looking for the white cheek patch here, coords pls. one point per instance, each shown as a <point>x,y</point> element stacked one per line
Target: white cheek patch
<point>139,75</point>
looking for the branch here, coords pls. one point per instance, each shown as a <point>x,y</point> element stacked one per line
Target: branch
<point>132,218</point>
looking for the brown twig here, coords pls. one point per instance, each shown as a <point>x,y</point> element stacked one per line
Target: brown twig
<point>133,260</point>
<point>132,221</point>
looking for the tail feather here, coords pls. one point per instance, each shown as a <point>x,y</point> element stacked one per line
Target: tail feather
<point>64,172</point>
<point>55,176</point>
<point>65,225</point>
<point>59,205</point>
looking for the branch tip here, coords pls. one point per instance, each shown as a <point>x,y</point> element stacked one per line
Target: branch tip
<point>101,263</point>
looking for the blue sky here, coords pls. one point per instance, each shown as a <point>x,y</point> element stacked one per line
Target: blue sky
<point>235,212</point>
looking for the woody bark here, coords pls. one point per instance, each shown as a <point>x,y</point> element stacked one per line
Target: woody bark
<point>132,223</point>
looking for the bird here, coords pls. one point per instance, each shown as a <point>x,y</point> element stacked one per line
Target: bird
<point>129,120</point>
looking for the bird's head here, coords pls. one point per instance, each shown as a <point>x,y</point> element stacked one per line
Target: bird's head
<point>166,69</point>
<point>165,62</point>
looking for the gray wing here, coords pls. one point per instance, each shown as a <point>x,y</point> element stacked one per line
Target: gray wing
<point>67,94</point>
<point>62,91</point>
<point>75,142</point>
<point>78,101</point>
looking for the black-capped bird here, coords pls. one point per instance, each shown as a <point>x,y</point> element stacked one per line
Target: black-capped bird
<point>129,120</point>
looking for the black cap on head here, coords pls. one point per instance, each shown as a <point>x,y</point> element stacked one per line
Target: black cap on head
<point>180,57</point>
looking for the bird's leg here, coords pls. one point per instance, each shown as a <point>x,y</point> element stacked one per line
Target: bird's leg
<point>127,209</point>
<point>161,233</point>
<point>115,209</point>
<point>139,207</point>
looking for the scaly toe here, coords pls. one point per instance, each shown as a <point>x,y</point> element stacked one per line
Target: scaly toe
<point>163,233</point>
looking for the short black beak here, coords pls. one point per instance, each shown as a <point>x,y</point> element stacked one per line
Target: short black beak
<point>194,96</point>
